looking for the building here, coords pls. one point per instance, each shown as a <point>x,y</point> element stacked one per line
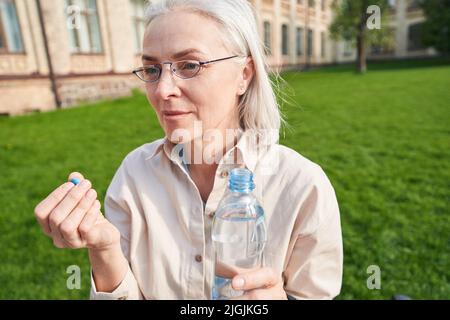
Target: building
<point>405,21</point>
<point>81,50</point>
<point>58,53</point>
<point>295,32</point>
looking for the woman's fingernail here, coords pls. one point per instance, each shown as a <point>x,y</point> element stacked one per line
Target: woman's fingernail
<point>75,181</point>
<point>67,186</point>
<point>91,194</point>
<point>238,283</point>
<point>85,184</point>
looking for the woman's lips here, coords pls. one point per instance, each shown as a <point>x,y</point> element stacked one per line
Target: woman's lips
<point>172,115</point>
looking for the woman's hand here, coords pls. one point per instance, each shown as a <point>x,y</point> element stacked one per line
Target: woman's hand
<point>71,216</point>
<point>260,284</point>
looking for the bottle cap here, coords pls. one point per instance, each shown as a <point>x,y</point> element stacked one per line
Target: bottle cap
<point>241,180</point>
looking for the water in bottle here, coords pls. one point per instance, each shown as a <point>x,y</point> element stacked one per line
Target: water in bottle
<point>238,233</point>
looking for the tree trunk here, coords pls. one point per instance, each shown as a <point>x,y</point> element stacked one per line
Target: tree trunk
<point>361,40</point>
<point>361,45</point>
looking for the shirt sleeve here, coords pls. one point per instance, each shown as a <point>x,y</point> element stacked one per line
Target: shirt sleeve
<point>315,264</point>
<point>118,204</point>
<point>127,290</point>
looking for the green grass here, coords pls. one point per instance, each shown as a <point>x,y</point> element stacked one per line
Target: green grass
<point>382,138</point>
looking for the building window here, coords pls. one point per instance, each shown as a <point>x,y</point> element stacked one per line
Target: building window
<point>323,48</point>
<point>381,49</point>
<point>84,27</point>
<point>348,48</point>
<point>414,5</point>
<point>310,50</point>
<point>415,37</point>
<point>391,5</point>
<point>267,37</point>
<point>138,20</point>
<point>10,36</point>
<point>284,40</point>
<point>299,41</point>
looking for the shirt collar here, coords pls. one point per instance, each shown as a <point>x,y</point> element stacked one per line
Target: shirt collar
<point>247,150</point>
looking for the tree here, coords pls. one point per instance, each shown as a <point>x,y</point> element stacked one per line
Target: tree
<point>436,31</point>
<point>351,22</point>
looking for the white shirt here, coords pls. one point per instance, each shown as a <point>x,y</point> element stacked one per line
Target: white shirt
<point>166,230</point>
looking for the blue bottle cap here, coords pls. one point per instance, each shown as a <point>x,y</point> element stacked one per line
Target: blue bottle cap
<point>241,180</point>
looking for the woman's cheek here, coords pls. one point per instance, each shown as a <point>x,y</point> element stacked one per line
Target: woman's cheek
<point>204,118</point>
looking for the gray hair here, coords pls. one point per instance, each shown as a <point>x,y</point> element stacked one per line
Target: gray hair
<point>258,107</point>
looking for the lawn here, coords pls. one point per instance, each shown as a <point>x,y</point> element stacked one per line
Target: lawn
<point>382,138</point>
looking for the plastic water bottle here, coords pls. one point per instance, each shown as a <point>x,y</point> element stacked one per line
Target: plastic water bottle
<point>238,233</point>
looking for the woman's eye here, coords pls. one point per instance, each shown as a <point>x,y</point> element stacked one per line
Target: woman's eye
<point>151,70</point>
<point>189,66</point>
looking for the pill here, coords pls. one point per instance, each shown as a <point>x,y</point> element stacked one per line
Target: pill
<point>75,181</point>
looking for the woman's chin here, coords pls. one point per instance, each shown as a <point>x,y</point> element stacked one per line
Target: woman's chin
<point>179,134</point>
<point>178,140</point>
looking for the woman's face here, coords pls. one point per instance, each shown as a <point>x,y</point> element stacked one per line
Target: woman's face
<point>210,97</point>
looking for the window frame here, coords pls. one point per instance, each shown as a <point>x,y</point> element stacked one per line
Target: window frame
<point>86,14</point>
<point>310,42</point>
<point>322,44</point>
<point>267,37</point>
<point>3,49</point>
<point>299,31</point>
<point>136,20</point>
<point>6,49</point>
<point>284,44</point>
<point>414,39</point>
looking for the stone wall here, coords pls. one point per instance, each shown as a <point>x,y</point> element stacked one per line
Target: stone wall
<point>22,96</point>
<point>77,90</point>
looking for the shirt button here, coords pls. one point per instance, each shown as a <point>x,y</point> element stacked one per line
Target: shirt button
<point>224,174</point>
<point>198,258</point>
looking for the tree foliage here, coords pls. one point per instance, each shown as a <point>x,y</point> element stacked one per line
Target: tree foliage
<point>350,24</point>
<point>436,31</point>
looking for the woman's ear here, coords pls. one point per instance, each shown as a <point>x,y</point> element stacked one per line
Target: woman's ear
<point>247,75</point>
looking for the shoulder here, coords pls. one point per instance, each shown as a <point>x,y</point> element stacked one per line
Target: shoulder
<point>308,188</point>
<point>142,153</point>
<point>296,168</point>
<point>134,164</point>
<point>132,170</point>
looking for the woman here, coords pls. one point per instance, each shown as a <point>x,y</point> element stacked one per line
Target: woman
<point>205,75</point>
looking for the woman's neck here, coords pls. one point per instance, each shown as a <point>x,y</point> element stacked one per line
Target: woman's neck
<point>204,156</point>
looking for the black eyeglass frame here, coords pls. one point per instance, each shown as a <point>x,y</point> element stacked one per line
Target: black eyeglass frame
<point>160,67</point>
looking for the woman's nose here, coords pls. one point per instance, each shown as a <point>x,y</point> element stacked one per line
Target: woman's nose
<point>166,85</point>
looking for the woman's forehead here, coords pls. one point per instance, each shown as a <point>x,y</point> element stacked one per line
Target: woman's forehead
<point>191,29</point>
<point>191,22</point>
<point>180,45</point>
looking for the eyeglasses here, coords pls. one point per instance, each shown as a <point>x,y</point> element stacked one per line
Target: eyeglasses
<point>184,69</point>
